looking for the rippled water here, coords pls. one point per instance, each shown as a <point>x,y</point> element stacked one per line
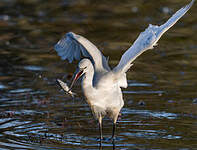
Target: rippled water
<point>160,109</point>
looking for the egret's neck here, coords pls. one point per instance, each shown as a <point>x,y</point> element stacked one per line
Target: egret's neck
<point>87,81</point>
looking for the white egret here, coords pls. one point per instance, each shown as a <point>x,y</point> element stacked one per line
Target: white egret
<point>102,85</point>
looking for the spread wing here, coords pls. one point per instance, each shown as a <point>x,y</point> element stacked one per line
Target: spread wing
<point>148,39</point>
<point>73,46</point>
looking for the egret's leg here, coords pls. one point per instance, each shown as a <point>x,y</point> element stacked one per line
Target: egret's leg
<point>113,130</point>
<point>114,124</point>
<point>100,128</point>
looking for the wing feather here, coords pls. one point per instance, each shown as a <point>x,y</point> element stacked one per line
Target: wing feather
<point>73,46</point>
<point>148,39</point>
<point>77,54</point>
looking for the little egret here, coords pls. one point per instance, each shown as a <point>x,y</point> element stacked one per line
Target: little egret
<point>102,85</point>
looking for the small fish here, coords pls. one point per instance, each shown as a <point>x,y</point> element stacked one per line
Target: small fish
<point>65,87</point>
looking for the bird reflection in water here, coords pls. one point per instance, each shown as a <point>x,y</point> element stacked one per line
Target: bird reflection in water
<point>113,145</point>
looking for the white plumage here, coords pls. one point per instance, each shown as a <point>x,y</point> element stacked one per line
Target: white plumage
<point>102,85</point>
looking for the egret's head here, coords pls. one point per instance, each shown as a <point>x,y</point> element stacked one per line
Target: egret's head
<point>83,67</point>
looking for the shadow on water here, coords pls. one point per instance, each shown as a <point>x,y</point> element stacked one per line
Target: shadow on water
<point>160,103</point>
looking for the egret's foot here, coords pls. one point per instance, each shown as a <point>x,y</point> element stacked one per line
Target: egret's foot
<point>103,139</point>
<point>113,139</point>
<point>98,139</point>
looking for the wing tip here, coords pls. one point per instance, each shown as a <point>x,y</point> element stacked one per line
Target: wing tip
<point>73,35</point>
<point>192,2</point>
<point>70,34</point>
<point>188,6</point>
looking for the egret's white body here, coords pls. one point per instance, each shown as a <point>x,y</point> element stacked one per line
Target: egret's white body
<point>102,85</point>
<point>105,97</point>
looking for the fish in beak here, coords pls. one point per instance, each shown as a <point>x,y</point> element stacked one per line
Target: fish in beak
<point>65,87</point>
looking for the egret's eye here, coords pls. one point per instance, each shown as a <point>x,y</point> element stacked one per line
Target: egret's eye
<point>81,69</point>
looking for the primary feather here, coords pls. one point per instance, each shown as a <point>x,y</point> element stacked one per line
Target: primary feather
<point>148,39</point>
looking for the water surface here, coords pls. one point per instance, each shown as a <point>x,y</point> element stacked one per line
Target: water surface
<point>160,109</point>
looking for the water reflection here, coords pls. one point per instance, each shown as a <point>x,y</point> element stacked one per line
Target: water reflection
<point>2,86</point>
<point>113,145</point>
